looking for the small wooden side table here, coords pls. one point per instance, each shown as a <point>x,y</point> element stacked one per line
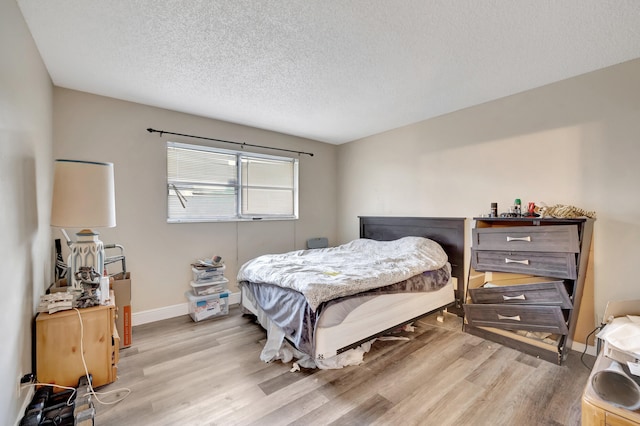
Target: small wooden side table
<point>58,342</point>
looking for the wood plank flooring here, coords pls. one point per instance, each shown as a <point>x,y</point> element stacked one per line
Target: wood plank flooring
<point>209,373</point>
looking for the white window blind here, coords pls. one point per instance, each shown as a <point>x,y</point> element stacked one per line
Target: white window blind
<point>209,184</point>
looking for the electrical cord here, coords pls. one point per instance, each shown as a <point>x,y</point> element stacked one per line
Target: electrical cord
<point>585,347</point>
<point>86,370</point>
<point>52,385</point>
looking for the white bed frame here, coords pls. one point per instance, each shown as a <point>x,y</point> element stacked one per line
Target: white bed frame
<point>383,313</point>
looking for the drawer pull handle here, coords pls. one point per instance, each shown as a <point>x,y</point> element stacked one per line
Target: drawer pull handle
<point>521,297</point>
<point>524,262</point>
<point>528,238</point>
<point>513,318</point>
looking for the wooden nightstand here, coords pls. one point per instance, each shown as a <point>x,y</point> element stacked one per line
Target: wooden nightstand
<point>58,336</point>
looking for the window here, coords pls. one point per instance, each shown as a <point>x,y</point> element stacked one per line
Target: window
<point>209,184</point>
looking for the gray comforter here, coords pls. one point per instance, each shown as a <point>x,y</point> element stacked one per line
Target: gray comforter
<point>361,265</point>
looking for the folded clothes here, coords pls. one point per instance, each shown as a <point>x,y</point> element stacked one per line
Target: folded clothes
<point>626,338</point>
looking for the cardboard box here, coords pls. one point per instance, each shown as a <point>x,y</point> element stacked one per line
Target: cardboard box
<point>121,286</point>
<point>615,314</point>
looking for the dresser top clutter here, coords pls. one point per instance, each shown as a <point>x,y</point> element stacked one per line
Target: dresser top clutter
<point>526,281</point>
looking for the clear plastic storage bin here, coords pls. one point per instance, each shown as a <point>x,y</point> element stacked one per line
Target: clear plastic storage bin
<point>209,287</point>
<point>209,306</point>
<point>207,274</point>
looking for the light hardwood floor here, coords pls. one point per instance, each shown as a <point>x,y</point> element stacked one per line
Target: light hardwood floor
<point>209,373</point>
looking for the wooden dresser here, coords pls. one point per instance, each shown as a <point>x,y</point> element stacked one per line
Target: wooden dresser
<point>526,281</point>
<point>58,351</point>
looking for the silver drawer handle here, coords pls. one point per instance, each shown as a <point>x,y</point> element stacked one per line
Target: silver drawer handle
<point>514,318</point>
<point>519,238</point>
<point>521,297</point>
<point>524,262</point>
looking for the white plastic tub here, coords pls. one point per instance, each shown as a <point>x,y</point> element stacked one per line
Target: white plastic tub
<point>208,306</point>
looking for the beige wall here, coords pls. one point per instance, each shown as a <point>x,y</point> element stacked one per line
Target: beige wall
<point>90,127</point>
<point>573,142</point>
<point>25,194</point>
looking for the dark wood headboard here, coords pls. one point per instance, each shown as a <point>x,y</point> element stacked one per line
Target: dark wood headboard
<point>448,232</point>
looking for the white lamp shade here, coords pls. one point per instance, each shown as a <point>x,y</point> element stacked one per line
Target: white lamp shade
<point>83,195</point>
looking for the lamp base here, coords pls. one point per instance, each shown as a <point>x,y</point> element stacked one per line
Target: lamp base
<point>86,252</point>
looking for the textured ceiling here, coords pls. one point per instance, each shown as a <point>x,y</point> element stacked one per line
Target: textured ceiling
<point>330,70</point>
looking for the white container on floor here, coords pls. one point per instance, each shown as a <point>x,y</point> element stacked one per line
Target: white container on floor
<point>207,306</point>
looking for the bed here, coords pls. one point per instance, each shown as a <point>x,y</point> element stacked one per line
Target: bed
<point>324,333</point>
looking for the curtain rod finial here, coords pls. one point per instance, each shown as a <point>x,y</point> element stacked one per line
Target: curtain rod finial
<point>150,130</point>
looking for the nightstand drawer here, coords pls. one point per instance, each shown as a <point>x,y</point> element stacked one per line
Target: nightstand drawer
<point>556,265</point>
<point>528,238</point>
<point>517,317</point>
<point>551,293</point>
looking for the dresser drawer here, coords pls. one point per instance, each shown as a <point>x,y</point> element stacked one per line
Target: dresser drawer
<point>550,293</point>
<point>556,265</point>
<point>517,317</point>
<point>562,238</point>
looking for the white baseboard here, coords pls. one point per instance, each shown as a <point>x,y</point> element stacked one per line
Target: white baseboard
<point>159,314</point>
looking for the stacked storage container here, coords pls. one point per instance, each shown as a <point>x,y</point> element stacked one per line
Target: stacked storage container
<point>209,295</point>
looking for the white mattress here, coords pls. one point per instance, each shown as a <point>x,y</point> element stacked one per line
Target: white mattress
<point>352,320</point>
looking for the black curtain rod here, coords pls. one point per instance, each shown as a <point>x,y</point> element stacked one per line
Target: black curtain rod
<point>242,144</point>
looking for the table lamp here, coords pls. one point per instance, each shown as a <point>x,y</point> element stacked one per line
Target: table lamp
<point>83,197</point>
